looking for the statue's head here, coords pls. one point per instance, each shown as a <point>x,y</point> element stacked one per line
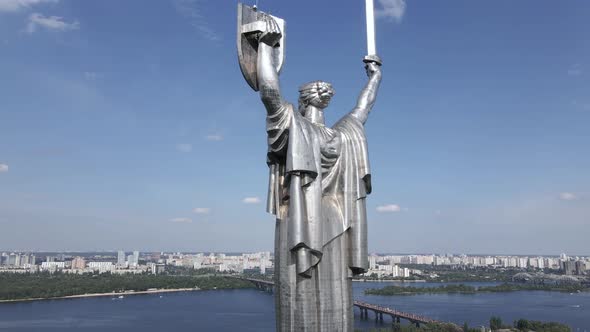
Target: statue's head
<point>316,93</point>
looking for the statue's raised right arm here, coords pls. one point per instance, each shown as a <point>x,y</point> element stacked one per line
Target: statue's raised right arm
<point>367,97</point>
<point>268,78</point>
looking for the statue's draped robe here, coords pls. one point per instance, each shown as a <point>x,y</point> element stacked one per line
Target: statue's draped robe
<point>318,182</point>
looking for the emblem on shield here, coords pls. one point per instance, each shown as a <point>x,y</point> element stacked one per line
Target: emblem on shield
<point>250,24</point>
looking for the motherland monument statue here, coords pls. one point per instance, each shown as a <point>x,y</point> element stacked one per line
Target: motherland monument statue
<point>319,179</point>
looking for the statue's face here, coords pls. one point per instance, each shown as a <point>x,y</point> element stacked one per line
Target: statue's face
<point>323,97</point>
<point>317,94</point>
<point>322,101</point>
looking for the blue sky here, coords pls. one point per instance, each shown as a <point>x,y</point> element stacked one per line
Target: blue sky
<point>127,124</point>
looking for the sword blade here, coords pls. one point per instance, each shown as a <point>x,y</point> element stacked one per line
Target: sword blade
<point>371,48</point>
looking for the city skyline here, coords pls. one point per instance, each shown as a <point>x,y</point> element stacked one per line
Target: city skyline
<point>207,252</point>
<point>379,264</point>
<point>138,130</point>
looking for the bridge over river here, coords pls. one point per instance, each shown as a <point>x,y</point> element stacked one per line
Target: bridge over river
<point>379,311</point>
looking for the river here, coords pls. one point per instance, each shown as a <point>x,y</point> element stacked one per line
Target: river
<point>253,310</point>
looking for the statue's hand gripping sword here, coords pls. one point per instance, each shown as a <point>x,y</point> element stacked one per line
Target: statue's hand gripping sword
<point>371,56</point>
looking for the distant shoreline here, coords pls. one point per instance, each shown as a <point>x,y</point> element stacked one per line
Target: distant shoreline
<point>389,280</point>
<point>464,288</point>
<point>115,294</point>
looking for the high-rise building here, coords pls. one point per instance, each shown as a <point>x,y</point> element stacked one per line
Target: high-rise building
<point>552,263</point>
<point>17,260</point>
<point>406,272</point>
<point>187,260</point>
<point>395,271</point>
<point>52,266</point>
<point>540,263</point>
<point>78,263</point>
<point>568,267</point>
<point>28,260</point>
<point>135,258</point>
<point>121,258</point>
<point>12,259</point>
<point>263,266</point>
<point>533,263</point>
<point>372,262</point>
<point>152,267</point>
<point>101,267</point>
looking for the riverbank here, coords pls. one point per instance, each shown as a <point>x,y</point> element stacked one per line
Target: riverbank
<point>468,289</point>
<point>115,294</point>
<point>58,286</point>
<point>405,290</point>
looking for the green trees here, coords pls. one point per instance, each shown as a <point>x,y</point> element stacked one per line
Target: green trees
<point>522,324</point>
<point>399,290</point>
<point>531,325</point>
<point>511,287</point>
<point>45,285</point>
<point>466,328</point>
<point>433,327</point>
<point>495,323</point>
<point>466,289</point>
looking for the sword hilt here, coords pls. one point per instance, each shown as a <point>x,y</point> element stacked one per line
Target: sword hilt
<point>372,58</point>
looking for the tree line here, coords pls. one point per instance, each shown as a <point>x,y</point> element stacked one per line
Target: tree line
<point>46,285</point>
<point>467,289</point>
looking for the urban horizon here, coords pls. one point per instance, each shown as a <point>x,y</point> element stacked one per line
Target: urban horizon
<point>120,262</point>
<point>231,252</point>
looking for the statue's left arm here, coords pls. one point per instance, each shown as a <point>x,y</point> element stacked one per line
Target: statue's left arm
<point>367,98</point>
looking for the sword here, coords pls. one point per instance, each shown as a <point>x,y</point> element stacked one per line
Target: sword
<point>371,48</point>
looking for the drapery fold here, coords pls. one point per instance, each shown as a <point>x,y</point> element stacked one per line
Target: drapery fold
<point>317,201</point>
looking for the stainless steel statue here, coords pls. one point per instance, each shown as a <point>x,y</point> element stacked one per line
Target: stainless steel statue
<point>318,182</point>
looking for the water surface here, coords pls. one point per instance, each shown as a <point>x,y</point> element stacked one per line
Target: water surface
<point>253,310</point>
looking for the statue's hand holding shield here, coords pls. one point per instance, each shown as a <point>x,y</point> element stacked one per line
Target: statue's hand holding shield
<point>256,27</point>
<point>272,34</point>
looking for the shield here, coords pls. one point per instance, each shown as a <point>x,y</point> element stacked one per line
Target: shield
<point>250,24</point>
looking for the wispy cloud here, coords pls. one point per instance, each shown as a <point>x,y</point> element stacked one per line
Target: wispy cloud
<point>391,9</point>
<point>389,208</point>
<point>201,210</point>
<point>575,70</point>
<point>53,23</point>
<point>184,147</point>
<point>567,196</point>
<point>251,200</point>
<point>191,10</point>
<point>91,75</point>
<point>3,168</point>
<point>581,105</point>
<point>215,137</point>
<point>181,220</point>
<point>17,5</point>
